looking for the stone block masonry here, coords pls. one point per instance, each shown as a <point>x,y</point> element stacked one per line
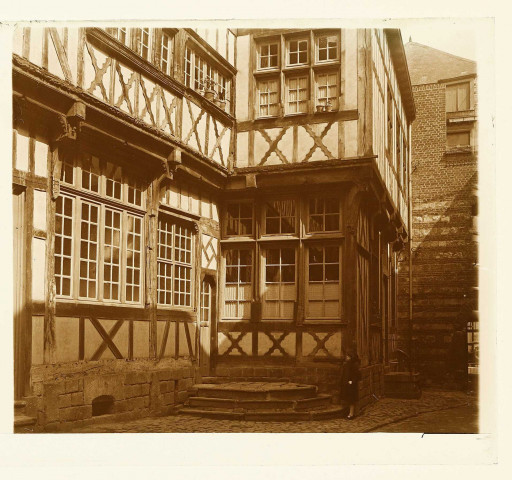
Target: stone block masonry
<point>63,395</point>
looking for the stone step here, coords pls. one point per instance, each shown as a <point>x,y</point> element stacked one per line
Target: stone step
<point>320,401</point>
<point>217,414</point>
<point>222,380</point>
<point>267,416</point>
<point>257,391</point>
<point>23,423</point>
<point>19,404</point>
<point>224,403</point>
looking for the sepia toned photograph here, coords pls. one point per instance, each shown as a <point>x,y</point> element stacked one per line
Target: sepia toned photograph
<point>245,229</point>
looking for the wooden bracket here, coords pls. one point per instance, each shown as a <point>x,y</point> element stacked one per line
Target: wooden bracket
<point>250,181</point>
<point>71,123</point>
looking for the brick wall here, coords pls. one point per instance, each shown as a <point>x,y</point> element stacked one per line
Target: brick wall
<point>444,253</point>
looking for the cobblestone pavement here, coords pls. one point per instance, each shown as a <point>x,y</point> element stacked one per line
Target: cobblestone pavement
<point>378,416</point>
<point>455,420</point>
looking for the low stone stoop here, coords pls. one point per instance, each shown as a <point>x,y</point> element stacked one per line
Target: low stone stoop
<point>23,423</point>
<point>260,401</point>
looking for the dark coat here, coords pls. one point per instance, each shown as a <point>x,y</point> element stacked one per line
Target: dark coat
<point>350,372</point>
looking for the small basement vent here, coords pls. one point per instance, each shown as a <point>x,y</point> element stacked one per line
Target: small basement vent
<point>102,405</point>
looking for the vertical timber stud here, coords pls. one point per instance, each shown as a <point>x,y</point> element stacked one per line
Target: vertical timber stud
<point>364,92</point>
<point>350,254</point>
<point>151,271</point>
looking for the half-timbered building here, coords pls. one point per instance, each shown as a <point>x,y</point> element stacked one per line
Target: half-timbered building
<point>192,204</point>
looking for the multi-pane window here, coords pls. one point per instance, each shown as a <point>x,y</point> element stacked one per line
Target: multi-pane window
<point>324,214</point>
<point>133,258</point>
<point>202,75</point>
<point>174,263</point>
<point>297,52</point>
<point>63,245</point>
<point>239,218</point>
<point>112,255</point>
<point>458,97</point>
<point>280,217</point>
<point>458,139</point>
<point>120,34</point>
<point>165,53</point>
<point>327,89</point>
<point>327,48</point>
<point>98,243</point>
<point>324,292</point>
<point>91,174</point>
<point>297,95</point>
<point>268,54</point>
<point>206,303</point>
<point>280,291</point>
<point>143,43</point>
<point>268,98</point>
<point>88,273</point>
<point>315,89</point>
<point>238,291</point>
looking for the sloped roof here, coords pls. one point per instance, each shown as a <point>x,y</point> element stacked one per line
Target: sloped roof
<point>429,65</point>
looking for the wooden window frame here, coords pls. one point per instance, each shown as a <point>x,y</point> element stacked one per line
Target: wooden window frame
<point>263,279</point>
<point>327,73</point>
<point>166,53</point>
<point>268,43</point>
<point>265,217</point>
<point>327,35</point>
<point>266,80</point>
<point>323,198</point>
<point>84,196</point>
<point>173,264</point>
<point>323,245</point>
<point>302,38</point>
<point>238,283</point>
<point>288,79</point>
<point>238,219</point>
<point>456,85</point>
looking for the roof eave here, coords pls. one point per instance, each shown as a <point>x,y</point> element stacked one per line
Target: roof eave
<point>396,47</point>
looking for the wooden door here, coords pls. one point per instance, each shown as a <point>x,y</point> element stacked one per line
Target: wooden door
<point>19,298</point>
<point>205,326</point>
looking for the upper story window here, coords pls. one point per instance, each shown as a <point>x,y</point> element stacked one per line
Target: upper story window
<point>268,55</point>
<point>281,89</point>
<point>297,52</point>
<point>327,48</point>
<point>389,122</point>
<point>458,97</point>
<point>143,42</point>
<point>120,34</point>
<point>165,53</point>
<point>202,76</point>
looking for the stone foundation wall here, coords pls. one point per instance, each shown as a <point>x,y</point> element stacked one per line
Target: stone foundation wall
<point>63,395</point>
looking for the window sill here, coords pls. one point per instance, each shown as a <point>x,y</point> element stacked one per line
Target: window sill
<point>468,150</point>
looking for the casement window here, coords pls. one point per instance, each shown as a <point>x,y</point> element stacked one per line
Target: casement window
<point>280,217</point>
<point>201,75</point>
<point>280,292</point>
<point>458,139</point>
<point>327,48</point>
<point>98,239</point>
<point>324,214</point>
<point>174,263</point>
<point>268,55</point>
<point>268,98</point>
<point>165,53</point>
<point>143,46</point>
<point>297,94</point>
<point>120,34</point>
<point>238,290</point>
<point>310,79</point>
<point>327,89</point>
<point>458,97</point>
<point>297,52</point>
<point>239,218</point>
<point>324,289</point>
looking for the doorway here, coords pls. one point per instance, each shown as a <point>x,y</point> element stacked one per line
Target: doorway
<point>206,316</point>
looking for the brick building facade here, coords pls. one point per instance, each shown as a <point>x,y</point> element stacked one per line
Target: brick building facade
<point>444,249</point>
